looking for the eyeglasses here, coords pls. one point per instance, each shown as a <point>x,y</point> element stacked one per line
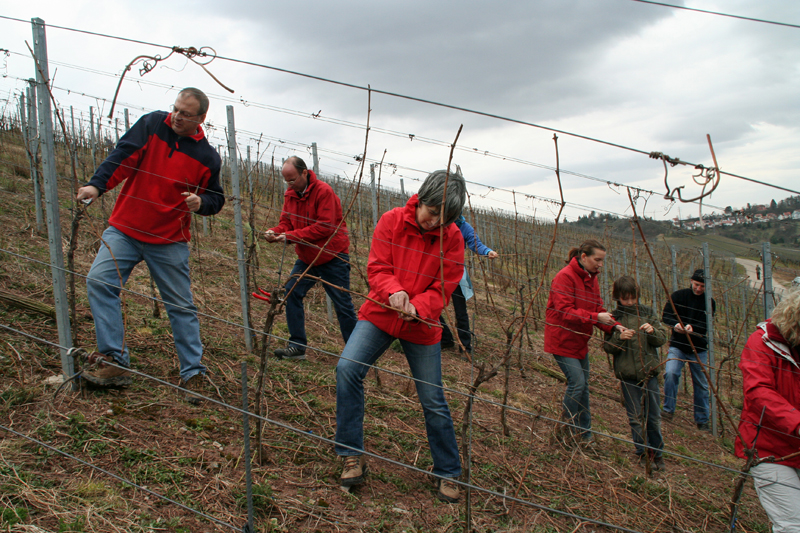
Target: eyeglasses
<point>182,113</point>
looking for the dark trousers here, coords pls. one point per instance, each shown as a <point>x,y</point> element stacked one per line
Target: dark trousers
<point>334,271</point>
<point>642,402</point>
<point>462,322</point>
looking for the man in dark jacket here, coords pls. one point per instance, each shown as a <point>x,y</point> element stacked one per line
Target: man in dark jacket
<point>169,171</point>
<point>691,310</point>
<point>312,219</point>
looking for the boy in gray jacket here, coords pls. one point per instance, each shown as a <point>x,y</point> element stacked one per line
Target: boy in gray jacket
<point>636,364</point>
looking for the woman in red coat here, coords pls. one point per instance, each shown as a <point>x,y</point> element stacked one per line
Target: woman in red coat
<point>770,367</point>
<point>574,307</point>
<point>415,263</point>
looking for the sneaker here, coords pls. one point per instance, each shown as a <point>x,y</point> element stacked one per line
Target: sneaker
<point>704,427</point>
<point>355,469</point>
<point>193,384</point>
<point>106,375</point>
<point>666,415</point>
<point>659,464</point>
<point>292,352</point>
<point>448,491</point>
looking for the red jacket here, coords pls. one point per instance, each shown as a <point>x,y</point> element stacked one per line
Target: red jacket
<point>313,218</point>
<point>572,309</point>
<point>771,379</point>
<point>157,166</point>
<point>402,258</point>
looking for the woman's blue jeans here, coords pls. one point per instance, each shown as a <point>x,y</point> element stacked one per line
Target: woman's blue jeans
<point>169,267</point>
<point>576,398</point>
<point>365,346</point>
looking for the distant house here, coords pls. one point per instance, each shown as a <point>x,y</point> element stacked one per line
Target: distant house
<point>796,214</point>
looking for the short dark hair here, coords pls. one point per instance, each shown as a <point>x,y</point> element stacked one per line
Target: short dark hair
<point>625,287</point>
<point>433,189</point>
<point>199,95</point>
<point>297,163</point>
<point>588,247</point>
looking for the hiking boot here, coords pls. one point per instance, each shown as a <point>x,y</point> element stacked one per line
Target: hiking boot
<point>659,464</point>
<point>193,384</point>
<point>292,352</point>
<point>448,491</point>
<point>355,469</point>
<point>704,427</point>
<point>666,415</point>
<point>106,375</point>
<point>588,444</point>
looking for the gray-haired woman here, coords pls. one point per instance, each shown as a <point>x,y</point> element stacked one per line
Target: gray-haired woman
<point>405,273</point>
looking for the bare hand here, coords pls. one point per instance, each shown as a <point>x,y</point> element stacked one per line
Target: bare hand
<point>90,192</point>
<point>647,328</point>
<point>412,313</point>
<point>271,236</point>
<point>605,318</point>
<point>492,254</point>
<point>400,300</point>
<point>626,334</point>
<point>681,329</point>
<point>193,202</point>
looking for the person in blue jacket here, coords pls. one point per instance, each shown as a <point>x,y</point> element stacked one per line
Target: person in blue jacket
<point>464,290</point>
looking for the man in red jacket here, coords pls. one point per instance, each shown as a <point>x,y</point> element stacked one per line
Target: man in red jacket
<point>169,171</point>
<point>312,219</point>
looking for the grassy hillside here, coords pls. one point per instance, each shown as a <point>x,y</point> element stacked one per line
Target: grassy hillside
<point>194,454</point>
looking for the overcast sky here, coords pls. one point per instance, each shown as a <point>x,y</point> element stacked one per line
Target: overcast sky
<point>641,76</point>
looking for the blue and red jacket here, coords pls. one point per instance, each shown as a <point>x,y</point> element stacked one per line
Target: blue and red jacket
<point>157,166</point>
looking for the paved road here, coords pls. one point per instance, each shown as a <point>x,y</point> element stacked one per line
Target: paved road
<point>750,267</point>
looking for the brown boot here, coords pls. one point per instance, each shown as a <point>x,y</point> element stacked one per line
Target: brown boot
<point>194,384</point>
<point>106,375</point>
<point>448,491</point>
<point>355,469</point>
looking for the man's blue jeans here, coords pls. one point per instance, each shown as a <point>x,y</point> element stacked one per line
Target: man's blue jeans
<point>676,358</point>
<point>366,345</point>
<point>576,398</point>
<point>169,267</point>
<point>642,404</point>
<point>336,271</point>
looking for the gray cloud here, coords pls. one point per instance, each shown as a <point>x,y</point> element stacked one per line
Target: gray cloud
<point>644,76</point>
